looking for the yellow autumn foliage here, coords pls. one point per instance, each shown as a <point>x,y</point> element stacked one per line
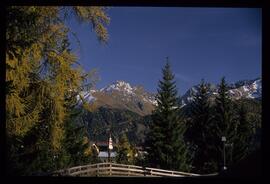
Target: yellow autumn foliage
<point>39,73</point>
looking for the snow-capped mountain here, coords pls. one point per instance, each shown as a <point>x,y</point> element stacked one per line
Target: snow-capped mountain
<point>189,95</point>
<point>120,86</point>
<point>249,89</point>
<point>242,89</point>
<point>87,96</point>
<point>122,95</point>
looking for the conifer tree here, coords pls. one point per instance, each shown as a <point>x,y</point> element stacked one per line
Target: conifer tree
<point>124,151</point>
<point>76,147</point>
<point>242,141</point>
<point>225,124</point>
<point>198,130</point>
<point>165,145</point>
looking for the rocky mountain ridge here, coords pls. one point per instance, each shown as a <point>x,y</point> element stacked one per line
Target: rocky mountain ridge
<point>251,89</point>
<point>121,95</point>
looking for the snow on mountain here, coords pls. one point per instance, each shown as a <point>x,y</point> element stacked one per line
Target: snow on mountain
<point>242,89</point>
<point>121,94</point>
<point>257,86</point>
<point>152,100</point>
<point>129,92</point>
<point>251,89</point>
<point>87,96</point>
<point>188,97</point>
<point>120,86</point>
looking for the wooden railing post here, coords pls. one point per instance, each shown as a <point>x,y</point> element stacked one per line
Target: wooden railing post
<point>110,167</point>
<point>122,169</point>
<point>97,171</point>
<point>128,170</point>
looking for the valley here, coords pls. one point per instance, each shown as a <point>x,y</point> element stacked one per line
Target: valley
<point>122,108</point>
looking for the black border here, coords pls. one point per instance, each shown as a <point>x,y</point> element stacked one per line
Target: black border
<point>147,3</point>
<point>2,94</point>
<point>155,3</point>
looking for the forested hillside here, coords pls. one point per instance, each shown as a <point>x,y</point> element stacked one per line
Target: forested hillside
<point>104,120</point>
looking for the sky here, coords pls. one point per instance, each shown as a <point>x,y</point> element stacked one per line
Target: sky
<point>200,42</point>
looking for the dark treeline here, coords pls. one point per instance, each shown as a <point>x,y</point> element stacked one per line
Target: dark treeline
<point>190,138</point>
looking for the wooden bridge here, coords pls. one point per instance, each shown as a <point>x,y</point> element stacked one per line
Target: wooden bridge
<point>113,169</point>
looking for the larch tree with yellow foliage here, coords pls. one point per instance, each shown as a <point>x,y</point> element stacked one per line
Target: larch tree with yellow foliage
<point>42,82</point>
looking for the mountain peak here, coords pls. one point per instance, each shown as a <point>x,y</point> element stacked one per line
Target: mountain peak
<point>121,95</point>
<point>119,85</point>
<point>241,89</point>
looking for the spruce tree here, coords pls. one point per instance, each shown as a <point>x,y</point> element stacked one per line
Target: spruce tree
<point>198,130</point>
<point>242,141</point>
<point>165,145</point>
<point>225,124</point>
<point>124,151</point>
<point>76,147</point>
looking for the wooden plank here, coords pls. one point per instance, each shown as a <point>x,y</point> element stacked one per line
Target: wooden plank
<point>164,174</point>
<point>107,170</point>
<point>126,174</point>
<point>174,172</point>
<point>100,170</point>
<point>95,169</point>
<point>124,169</point>
<point>126,166</point>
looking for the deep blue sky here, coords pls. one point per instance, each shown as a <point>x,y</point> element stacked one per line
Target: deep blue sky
<point>200,42</point>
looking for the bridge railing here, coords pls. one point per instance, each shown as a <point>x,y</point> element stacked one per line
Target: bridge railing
<point>113,169</point>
